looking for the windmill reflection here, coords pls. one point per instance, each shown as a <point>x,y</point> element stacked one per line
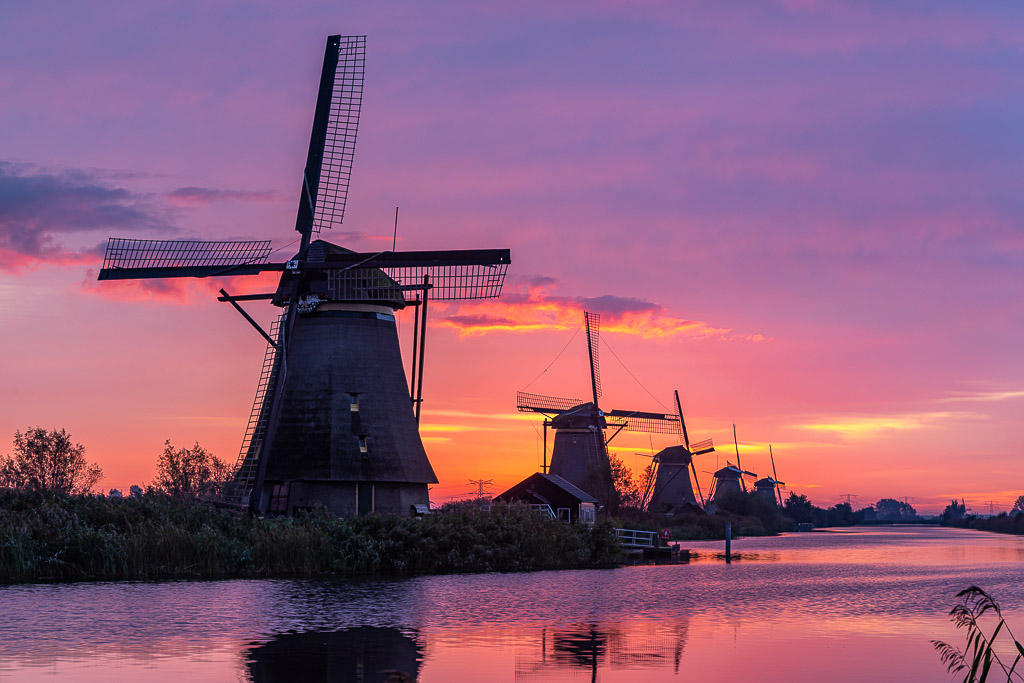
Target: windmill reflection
<point>357,655</point>
<point>589,647</point>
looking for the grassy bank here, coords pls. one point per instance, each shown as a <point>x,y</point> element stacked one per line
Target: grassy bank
<point>57,537</point>
<point>1002,523</point>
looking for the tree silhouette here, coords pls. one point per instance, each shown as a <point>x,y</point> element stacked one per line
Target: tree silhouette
<point>48,461</point>
<point>622,478</point>
<point>190,472</point>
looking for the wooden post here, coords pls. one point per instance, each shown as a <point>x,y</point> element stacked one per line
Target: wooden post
<point>423,347</point>
<point>728,542</point>
<point>545,468</point>
<point>415,349</point>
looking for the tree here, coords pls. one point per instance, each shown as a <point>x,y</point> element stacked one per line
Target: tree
<point>622,479</point>
<point>799,508</point>
<point>1018,506</point>
<point>840,514</point>
<point>190,472</point>
<point>954,511</point>
<point>48,461</point>
<point>890,508</point>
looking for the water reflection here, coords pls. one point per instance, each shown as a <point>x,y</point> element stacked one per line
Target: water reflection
<point>364,654</point>
<point>804,607</point>
<point>590,647</point>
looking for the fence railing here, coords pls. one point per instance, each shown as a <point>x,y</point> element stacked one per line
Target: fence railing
<point>544,509</point>
<point>634,538</point>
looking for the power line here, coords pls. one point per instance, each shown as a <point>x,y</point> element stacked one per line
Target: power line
<point>556,357</point>
<point>603,340</point>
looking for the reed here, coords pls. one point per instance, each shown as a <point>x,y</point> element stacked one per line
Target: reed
<point>153,536</point>
<point>979,655</point>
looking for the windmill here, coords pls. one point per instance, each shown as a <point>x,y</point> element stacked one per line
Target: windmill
<point>769,486</point>
<point>334,421</point>
<point>672,488</point>
<point>580,451</point>
<point>727,480</point>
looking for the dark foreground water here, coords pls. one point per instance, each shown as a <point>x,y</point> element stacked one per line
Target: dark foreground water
<point>844,605</point>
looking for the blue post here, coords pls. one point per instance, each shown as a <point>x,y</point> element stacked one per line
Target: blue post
<point>728,542</point>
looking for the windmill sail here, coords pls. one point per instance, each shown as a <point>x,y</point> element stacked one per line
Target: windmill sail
<point>332,142</point>
<point>593,321</point>
<point>647,423</point>
<point>132,259</point>
<point>455,275</point>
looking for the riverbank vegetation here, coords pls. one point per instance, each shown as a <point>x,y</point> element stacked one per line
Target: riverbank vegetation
<point>754,514</point>
<point>1012,522</point>
<point>54,536</point>
<point>981,658</point>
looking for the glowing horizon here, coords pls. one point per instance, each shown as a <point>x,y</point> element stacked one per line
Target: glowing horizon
<point>801,215</point>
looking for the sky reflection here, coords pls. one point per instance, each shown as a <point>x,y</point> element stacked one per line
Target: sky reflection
<point>860,605</point>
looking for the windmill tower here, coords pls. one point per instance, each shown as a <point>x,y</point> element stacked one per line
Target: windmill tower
<point>673,489</point>
<point>726,480</point>
<point>769,487</point>
<point>580,451</point>
<point>334,421</point>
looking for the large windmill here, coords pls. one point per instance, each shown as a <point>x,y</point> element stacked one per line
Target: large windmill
<point>672,488</point>
<point>334,421</point>
<point>580,452</point>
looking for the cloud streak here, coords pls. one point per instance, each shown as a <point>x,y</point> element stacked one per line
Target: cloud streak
<point>192,196</point>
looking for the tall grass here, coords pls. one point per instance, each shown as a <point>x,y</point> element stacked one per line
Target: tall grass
<point>977,658</point>
<point>58,537</point>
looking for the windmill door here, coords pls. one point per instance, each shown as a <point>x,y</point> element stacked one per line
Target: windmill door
<point>365,498</point>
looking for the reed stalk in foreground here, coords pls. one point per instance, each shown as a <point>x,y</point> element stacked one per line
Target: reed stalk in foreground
<point>979,654</point>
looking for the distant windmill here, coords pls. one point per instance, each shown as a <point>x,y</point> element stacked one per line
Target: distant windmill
<point>769,486</point>
<point>672,489</point>
<point>580,451</point>
<point>728,479</point>
<point>334,421</point>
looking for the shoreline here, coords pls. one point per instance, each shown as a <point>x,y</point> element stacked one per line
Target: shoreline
<point>57,538</point>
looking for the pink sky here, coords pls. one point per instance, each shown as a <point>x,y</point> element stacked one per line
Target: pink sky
<point>805,216</point>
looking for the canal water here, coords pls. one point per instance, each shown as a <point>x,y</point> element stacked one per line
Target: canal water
<point>858,604</point>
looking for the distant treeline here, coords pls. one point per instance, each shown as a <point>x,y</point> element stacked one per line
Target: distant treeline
<point>48,536</point>
<point>956,515</point>
<point>753,514</point>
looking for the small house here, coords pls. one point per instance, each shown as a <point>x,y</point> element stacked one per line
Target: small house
<point>554,495</point>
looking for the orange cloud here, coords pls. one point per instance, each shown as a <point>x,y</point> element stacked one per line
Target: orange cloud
<point>537,309</point>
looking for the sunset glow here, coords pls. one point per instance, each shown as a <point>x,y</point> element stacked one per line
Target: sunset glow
<point>804,216</point>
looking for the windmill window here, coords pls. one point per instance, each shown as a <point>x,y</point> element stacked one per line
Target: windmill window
<point>587,513</point>
<point>353,402</point>
<point>362,444</point>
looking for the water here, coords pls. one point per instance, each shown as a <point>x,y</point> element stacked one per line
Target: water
<point>845,605</point>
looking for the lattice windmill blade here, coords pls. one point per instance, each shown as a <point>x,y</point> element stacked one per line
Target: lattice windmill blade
<point>702,447</point>
<point>647,423</point>
<point>132,259</point>
<point>593,321</point>
<point>550,405</point>
<point>454,275</point>
<point>333,139</point>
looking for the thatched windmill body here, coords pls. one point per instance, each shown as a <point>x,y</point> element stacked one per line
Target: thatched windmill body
<point>580,450</point>
<point>334,421</point>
